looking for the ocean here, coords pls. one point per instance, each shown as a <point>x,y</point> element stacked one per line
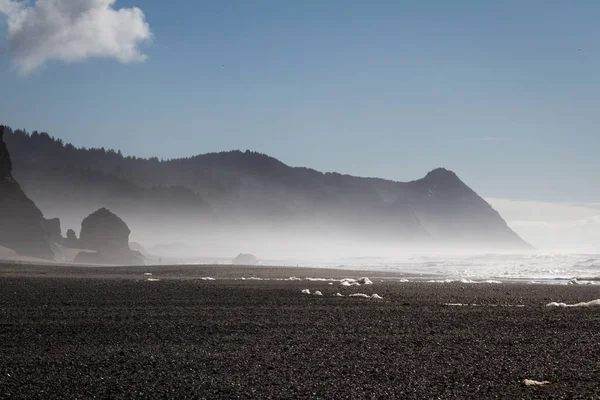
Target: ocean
<point>535,267</point>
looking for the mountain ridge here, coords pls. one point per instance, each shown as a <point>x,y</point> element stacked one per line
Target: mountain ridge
<point>251,189</point>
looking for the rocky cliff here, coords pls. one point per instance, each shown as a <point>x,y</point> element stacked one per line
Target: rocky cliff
<point>22,225</point>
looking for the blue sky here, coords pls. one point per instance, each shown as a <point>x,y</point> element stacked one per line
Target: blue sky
<point>505,93</point>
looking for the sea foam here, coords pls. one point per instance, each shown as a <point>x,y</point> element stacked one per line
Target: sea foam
<point>593,303</point>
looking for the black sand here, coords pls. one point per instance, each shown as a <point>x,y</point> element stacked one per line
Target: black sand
<point>70,332</point>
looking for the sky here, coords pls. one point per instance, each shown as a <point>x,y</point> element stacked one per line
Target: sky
<point>504,93</point>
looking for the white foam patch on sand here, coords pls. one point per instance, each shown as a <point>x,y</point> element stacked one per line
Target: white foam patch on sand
<point>483,305</point>
<point>366,296</point>
<point>207,278</point>
<point>305,291</point>
<point>148,273</point>
<point>321,279</point>
<point>153,280</point>
<point>531,382</point>
<point>575,281</point>
<point>359,281</point>
<point>254,278</point>
<point>462,280</point>
<point>593,303</point>
<point>338,295</point>
<point>343,282</point>
<point>318,293</point>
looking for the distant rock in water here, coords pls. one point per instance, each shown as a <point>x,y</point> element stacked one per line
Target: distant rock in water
<point>245,259</point>
<point>107,236</point>
<point>22,224</point>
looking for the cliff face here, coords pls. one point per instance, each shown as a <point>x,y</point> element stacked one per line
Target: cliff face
<point>22,225</point>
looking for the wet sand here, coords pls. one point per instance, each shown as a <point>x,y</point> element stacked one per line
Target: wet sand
<point>83,332</point>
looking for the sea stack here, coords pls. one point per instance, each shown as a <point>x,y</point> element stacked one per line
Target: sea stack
<point>22,224</point>
<point>107,236</point>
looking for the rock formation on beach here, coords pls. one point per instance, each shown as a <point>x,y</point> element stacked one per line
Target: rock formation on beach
<point>104,231</point>
<point>107,236</point>
<point>22,224</point>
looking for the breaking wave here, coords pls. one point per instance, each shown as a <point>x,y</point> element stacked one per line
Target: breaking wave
<point>547,267</point>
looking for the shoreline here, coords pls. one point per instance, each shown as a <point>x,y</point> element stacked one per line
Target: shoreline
<point>221,271</point>
<point>266,272</point>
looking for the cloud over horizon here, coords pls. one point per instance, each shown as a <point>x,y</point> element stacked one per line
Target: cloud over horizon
<point>72,31</point>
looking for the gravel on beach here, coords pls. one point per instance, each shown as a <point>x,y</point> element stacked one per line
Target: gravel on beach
<point>68,332</point>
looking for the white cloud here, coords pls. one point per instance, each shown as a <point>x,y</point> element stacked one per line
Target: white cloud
<point>553,226</point>
<point>71,31</point>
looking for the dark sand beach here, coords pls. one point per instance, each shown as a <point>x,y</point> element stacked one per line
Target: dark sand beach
<point>83,332</point>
